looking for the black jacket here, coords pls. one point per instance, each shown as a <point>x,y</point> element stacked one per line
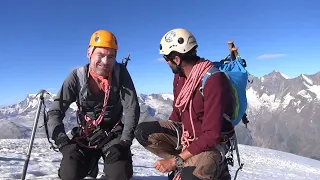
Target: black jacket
<point>122,98</point>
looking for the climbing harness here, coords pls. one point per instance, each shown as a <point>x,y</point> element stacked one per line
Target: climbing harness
<point>91,126</point>
<point>90,129</point>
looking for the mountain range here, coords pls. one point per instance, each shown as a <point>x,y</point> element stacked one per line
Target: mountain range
<point>284,114</point>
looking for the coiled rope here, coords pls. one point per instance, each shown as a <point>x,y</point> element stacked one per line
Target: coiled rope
<point>184,98</point>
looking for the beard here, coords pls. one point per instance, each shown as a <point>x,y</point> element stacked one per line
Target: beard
<point>176,69</point>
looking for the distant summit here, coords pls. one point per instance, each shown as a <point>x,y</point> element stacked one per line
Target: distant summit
<point>283,113</point>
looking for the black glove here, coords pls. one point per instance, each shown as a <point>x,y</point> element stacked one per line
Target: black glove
<point>73,151</point>
<point>118,152</point>
<point>68,148</point>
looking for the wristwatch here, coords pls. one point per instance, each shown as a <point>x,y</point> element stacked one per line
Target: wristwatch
<point>179,161</point>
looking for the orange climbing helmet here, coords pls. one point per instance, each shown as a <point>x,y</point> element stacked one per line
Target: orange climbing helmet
<point>103,38</point>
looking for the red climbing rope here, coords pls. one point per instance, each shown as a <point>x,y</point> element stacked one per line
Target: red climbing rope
<point>184,98</point>
<point>92,124</point>
<point>105,86</point>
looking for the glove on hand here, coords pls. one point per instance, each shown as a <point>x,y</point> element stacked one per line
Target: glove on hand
<point>118,152</point>
<point>67,148</point>
<point>73,151</point>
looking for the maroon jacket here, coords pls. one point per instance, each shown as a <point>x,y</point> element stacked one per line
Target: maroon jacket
<point>207,113</point>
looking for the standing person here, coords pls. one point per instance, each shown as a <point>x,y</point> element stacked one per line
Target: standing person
<point>103,90</point>
<point>197,119</point>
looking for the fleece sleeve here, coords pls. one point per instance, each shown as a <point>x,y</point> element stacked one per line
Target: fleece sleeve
<point>59,106</point>
<point>130,105</point>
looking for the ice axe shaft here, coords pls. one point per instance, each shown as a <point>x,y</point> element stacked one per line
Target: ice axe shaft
<point>233,50</point>
<point>35,125</point>
<point>125,60</point>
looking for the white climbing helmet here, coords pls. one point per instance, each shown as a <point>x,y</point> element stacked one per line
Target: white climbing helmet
<point>180,40</point>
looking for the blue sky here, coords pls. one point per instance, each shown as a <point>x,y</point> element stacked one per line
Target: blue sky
<point>42,41</point>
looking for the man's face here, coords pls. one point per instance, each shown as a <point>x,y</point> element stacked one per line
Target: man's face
<point>173,64</point>
<point>173,67</point>
<point>102,60</point>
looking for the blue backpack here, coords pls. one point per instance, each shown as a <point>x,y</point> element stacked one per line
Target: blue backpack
<point>238,77</point>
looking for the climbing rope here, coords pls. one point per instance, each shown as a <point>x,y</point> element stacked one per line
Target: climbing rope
<point>184,98</point>
<point>92,124</point>
<point>105,86</point>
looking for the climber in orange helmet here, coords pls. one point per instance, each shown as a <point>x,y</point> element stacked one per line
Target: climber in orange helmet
<point>187,141</point>
<point>103,90</point>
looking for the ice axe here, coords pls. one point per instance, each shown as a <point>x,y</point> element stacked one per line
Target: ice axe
<point>35,125</point>
<point>234,52</point>
<point>125,60</point>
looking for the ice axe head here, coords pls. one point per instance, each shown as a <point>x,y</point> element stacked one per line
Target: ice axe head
<point>233,50</point>
<point>42,92</point>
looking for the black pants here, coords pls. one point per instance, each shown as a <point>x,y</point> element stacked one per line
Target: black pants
<point>87,165</point>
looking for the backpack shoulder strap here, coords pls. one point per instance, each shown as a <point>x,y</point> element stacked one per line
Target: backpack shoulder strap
<point>117,70</point>
<point>210,72</point>
<point>82,78</point>
<point>82,75</point>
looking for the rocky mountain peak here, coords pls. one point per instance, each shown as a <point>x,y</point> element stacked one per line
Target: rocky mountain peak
<point>283,113</point>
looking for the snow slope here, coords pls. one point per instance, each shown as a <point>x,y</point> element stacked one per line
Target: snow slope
<point>259,163</point>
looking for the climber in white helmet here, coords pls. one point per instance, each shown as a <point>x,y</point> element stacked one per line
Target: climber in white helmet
<point>187,141</point>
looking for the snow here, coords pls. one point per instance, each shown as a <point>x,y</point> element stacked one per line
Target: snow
<point>30,103</point>
<point>287,99</point>
<point>315,89</point>
<point>307,79</point>
<point>259,163</point>
<point>285,76</point>
<point>156,104</point>
<point>299,109</point>
<point>305,94</point>
<point>253,100</point>
<point>167,96</point>
<point>297,103</point>
<point>270,101</point>
<point>256,102</point>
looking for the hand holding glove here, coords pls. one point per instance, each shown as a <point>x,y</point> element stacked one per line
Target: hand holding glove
<point>116,152</point>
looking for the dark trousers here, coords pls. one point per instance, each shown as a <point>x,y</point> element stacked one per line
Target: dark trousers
<point>76,168</point>
<point>160,138</point>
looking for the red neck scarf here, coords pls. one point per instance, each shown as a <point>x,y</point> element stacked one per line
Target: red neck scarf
<point>104,83</point>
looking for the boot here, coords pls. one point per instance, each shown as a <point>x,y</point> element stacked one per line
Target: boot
<point>94,171</point>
